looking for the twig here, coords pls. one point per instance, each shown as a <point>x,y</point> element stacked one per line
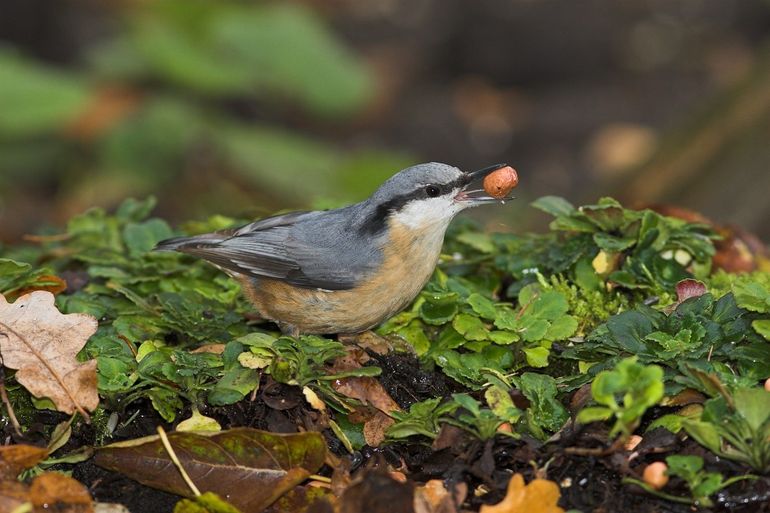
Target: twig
<point>170,450</point>
<point>597,451</point>
<point>7,402</point>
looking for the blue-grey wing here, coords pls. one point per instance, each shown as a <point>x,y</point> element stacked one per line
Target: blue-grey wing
<point>306,249</point>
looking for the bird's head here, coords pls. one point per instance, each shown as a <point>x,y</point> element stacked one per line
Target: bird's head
<point>429,194</point>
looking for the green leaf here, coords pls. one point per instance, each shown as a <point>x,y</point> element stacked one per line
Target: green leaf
<point>562,328</point>
<point>483,306</point>
<point>236,383</point>
<point>142,237</point>
<point>554,205</point>
<point>537,356</point>
<point>36,99</point>
<point>613,244</point>
<point>685,467</point>
<point>479,241</point>
<point>414,334</point>
<point>762,326</point>
<point>705,433</point>
<point>594,414</point>
<point>629,329</point>
<point>499,400</point>
<point>267,50</point>
<point>205,503</point>
<point>608,215</point>
<point>753,294</point>
<point>545,413</point>
<point>165,402</point>
<point>470,327</point>
<point>439,308</point>
<point>753,404</point>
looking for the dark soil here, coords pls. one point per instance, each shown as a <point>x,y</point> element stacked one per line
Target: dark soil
<point>589,484</point>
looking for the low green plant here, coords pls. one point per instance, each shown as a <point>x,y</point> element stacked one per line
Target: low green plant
<point>637,386</point>
<point>470,335</point>
<point>653,251</point>
<point>736,425</point>
<point>698,329</point>
<point>700,483</point>
<point>423,418</point>
<point>483,423</point>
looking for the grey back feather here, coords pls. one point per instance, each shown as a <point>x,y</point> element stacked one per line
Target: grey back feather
<point>326,250</point>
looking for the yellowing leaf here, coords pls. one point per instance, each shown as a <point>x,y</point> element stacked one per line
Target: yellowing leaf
<point>41,343</point>
<point>249,468</point>
<point>539,496</point>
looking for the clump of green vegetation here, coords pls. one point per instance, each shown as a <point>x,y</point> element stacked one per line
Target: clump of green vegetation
<point>600,299</point>
<point>637,386</point>
<point>700,483</point>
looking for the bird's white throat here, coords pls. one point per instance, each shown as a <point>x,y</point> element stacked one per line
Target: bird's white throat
<point>429,212</point>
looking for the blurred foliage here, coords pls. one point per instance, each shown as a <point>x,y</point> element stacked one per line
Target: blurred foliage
<point>181,95</point>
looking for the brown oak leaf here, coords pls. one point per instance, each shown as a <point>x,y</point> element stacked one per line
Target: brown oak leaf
<point>539,496</point>
<point>41,343</point>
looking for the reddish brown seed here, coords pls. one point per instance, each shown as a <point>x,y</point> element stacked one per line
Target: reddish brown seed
<point>500,183</point>
<point>655,475</point>
<point>767,384</point>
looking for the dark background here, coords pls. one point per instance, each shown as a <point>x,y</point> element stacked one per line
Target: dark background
<point>242,108</point>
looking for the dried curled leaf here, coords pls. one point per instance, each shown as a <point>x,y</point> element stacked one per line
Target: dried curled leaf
<point>539,496</point>
<point>42,343</point>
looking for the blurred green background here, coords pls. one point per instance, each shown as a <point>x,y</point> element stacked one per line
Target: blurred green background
<point>246,107</point>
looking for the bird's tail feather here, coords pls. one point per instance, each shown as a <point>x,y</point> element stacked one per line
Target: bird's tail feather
<point>190,243</point>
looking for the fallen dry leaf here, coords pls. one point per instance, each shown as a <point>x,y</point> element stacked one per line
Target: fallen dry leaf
<point>366,389</point>
<point>41,343</point>
<point>251,469</point>
<point>49,282</point>
<point>13,495</point>
<point>53,491</point>
<point>50,491</point>
<point>433,497</point>
<point>375,428</point>
<point>539,496</point>
<point>16,458</point>
<point>375,491</point>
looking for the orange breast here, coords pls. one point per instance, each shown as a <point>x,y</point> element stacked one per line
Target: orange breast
<point>409,260</point>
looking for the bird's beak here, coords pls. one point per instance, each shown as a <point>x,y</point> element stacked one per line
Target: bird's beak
<point>473,192</point>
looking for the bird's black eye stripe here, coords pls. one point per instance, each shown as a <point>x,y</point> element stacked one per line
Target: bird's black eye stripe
<point>432,191</point>
<point>377,221</point>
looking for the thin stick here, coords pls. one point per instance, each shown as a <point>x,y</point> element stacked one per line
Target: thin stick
<point>172,455</point>
<point>7,402</point>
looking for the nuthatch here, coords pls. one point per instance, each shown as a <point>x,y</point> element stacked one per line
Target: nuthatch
<point>348,269</point>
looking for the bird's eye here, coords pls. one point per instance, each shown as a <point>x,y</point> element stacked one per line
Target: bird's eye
<point>432,191</point>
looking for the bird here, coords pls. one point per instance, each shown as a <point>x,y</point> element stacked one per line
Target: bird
<point>345,270</point>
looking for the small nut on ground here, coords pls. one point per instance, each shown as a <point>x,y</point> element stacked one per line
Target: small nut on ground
<point>501,182</point>
<point>655,475</point>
